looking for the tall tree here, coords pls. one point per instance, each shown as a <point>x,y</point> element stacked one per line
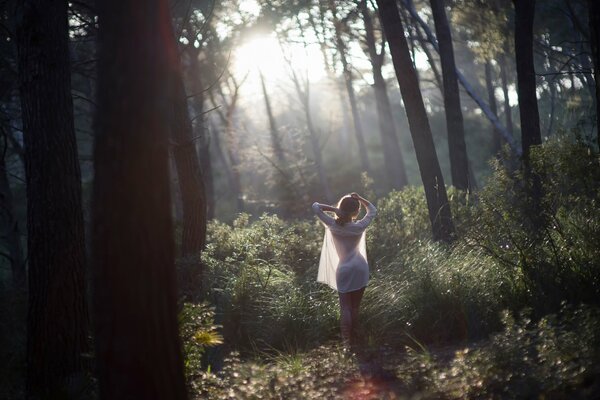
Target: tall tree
<point>349,80</point>
<point>201,136</point>
<point>429,167</point>
<point>189,173</point>
<point>275,139</point>
<point>507,135</point>
<point>526,87</point>
<point>10,225</point>
<point>459,164</point>
<point>504,83</point>
<point>394,162</point>
<point>594,23</point>
<point>232,142</point>
<point>491,89</point>
<point>57,312</point>
<point>137,343</point>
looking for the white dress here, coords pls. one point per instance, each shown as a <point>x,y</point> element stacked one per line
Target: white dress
<point>343,265</point>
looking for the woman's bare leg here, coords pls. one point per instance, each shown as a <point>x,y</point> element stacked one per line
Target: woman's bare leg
<point>355,298</point>
<point>346,317</point>
<point>349,307</point>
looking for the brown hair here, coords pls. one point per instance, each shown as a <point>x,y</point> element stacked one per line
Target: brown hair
<point>349,207</point>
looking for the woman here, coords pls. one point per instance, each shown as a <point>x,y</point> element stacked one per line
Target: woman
<point>343,264</point>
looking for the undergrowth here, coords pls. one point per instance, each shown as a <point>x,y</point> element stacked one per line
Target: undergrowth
<point>512,254</point>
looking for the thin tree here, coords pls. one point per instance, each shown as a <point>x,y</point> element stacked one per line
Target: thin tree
<point>349,79</point>
<point>508,137</point>
<point>489,84</point>
<point>201,137</point>
<point>393,160</point>
<point>9,222</point>
<point>137,342</point>
<point>505,96</point>
<point>459,163</point>
<point>275,139</point>
<point>526,87</point>
<point>302,87</point>
<point>594,23</point>
<point>191,181</point>
<point>57,316</point>
<point>429,167</point>
<point>232,143</point>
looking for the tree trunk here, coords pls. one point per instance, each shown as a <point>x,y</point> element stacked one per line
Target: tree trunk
<point>552,89</point>
<point>393,160</point>
<point>348,78</point>
<point>465,84</point>
<point>275,139</point>
<point>526,87</point>
<point>11,227</point>
<point>496,137</point>
<point>202,138</point>
<point>137,342</point>
<point>459,164</point>
<point>57,313</point>
<point>504,82</point>
<point>191,182</point>
<point>431,174</point>
<point>594,22</point>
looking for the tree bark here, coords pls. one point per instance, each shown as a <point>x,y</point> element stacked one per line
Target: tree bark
<point>191,181</point>
<point>57,316</point>
<point>10,226</point>
<point>348,78</point>
<point>526,87</point>
<point>201,136</point>
<point>594,22</point>
<point>489,83</point>
<point>137,342</point>
<point>393,160</point>
<point>275,139</point>
<point>465,84</point>
<point>504,82</point>
<point>459,164</point>
<point>429,167</point>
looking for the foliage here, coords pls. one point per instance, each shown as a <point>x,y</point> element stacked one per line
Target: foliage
<point>198,332</point>
<point>556,357</point>
<point>549,249</point>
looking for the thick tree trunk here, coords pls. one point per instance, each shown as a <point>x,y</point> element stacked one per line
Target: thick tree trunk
<point>459,164</point>
<point>57,314</point>
<point>191,182</point>
<point>10,227</point>
<point>489,83</point>
<point>393,160</point>
<point>594,22</point>
<point>348,79</point>
<point>137,342</point>
<point>431,174</point>
<point>526,87</point>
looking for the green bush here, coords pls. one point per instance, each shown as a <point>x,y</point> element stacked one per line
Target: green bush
<point>549,247</point>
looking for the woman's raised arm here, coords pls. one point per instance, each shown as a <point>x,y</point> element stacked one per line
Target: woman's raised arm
<point>319,208</point>
<point>371,210</point>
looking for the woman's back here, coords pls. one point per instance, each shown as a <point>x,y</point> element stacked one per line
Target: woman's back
<point>343,264</point>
